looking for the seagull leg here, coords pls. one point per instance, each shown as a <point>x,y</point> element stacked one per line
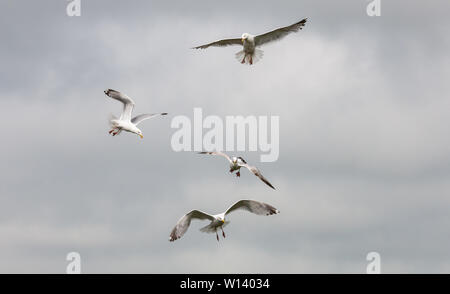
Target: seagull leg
<point>223,233</point>
<point>238,174</point>
<point>217,236</point>
<point>117,131</point>
<point>243,60</point>
<point>111,131</point>
<point>251,60</point>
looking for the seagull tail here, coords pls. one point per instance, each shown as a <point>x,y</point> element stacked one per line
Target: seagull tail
<point>257,55</point>
<point>212,229</point>
<point>208,229</point>
<point>111,118</point>
<point>240,56</point>
<point>249,59</point>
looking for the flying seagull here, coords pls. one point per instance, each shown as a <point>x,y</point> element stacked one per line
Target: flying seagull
<point>218,220</point>
<point>125,122</point>
<point>237,162</point>
<point>250,54</point>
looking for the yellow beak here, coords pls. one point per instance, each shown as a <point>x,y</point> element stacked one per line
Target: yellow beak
<point>242,40</point>
<point>223,221</point>
<point>142,137</point>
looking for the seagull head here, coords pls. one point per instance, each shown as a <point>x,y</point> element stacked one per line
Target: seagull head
<point>138,132</point>
<point>244,37</point>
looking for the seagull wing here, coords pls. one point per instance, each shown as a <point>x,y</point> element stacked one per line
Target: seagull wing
<point>257,173</point>
<point>219,154</point>
<point>253,206</point>
<point>221,43</point>
<point>183,224</point>
<point>139,118</point>
<point>128,103</point>
<point>279,33</point>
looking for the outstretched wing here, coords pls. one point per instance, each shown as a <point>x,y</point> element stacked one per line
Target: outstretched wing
<point>257,173</point>
<point>219,154</point>
<point>128,103</point>
<point>279,33</point>
<point>221,43</point>
<point>183,224</point>
<point>139,118</point>
<point>253,206</point>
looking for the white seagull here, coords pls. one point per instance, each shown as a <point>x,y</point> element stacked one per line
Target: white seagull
<point>125,122</point>
<point>237,162</point>
<point>218,220</point>
<point>250,54</point>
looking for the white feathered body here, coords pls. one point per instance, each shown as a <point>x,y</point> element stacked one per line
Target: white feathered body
<point>216,223</point>
<point>234,165</point>
<point>249,44</point>
<point>249,54</point>
<point>124,125</point>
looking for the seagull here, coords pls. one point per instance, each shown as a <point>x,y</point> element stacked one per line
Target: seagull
<point>250,54</point>
<point>125,122</point>
<point>218,220</point>
<point>237,162</point>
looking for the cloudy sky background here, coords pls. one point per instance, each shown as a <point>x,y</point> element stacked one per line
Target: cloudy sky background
<point>364,147</point>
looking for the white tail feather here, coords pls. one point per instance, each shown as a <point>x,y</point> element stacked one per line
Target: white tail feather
<point>212,228</point>
<point>111,118</point>
<point>240,55</point>
<point>250,59</point>
<point>257,55</point>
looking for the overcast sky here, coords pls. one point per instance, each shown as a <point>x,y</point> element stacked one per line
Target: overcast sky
<point>364,159</point>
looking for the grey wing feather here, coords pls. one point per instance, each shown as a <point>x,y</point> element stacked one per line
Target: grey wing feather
<point>221,43</point>
<point>253,206</point>
<point>279,33</point>
<point>128,103</point>
<point>183,224</point>
<point>217,153</point>
<point>139,118</point>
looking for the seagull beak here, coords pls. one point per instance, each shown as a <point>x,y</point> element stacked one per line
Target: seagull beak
<point>242,40</point>
<point>142,137</point>
<point>223,221</point>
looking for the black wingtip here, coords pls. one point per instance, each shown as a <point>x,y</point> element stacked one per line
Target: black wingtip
<point>164,113</point>
<point>108,90</point>
<point>268,183</point>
